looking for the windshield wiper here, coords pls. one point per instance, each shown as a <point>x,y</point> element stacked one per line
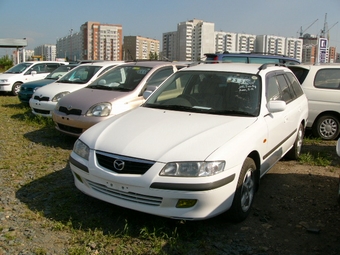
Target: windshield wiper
<point>169,107</point>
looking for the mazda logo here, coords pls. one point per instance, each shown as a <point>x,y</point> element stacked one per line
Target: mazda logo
<point>118,164</point>
<point>69,107</point>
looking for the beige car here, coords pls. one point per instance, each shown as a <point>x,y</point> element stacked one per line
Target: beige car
<point>118,90</point>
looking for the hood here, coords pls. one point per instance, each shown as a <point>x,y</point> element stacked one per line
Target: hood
<point>54,88</point>
<point>163,135</point>
<point>38,83</point>
<point>86,97</point>
<point>7,75</point>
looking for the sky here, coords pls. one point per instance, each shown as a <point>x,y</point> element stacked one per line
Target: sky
<point>44,21</point>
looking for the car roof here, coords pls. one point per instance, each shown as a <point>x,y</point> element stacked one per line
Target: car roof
<point>101,63</point>
<point>317,66</point>
<point>151,63</point>
<point>234,67</point>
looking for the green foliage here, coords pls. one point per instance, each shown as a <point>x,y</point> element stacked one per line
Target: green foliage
<point>153,56</point>
<point>5,63</point>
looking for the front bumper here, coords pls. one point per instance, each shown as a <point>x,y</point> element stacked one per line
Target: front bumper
<point>153,194</point>
<point>42,108</point>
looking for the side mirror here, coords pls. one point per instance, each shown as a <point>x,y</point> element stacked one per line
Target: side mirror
<point>276,106</point>
<point>33,73</point>
<point>148,91</point>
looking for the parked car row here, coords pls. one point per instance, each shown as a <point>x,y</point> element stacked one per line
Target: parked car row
<point>184,141</point>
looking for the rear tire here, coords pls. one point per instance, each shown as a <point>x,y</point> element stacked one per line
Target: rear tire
<point>295,151</point>
<point>245,191</point>
<point>327,127</point>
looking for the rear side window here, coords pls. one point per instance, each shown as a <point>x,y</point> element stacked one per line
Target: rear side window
<point>235,59</point>
<point>263,60</point>
<point>327,79</point>
<point>300,73</point>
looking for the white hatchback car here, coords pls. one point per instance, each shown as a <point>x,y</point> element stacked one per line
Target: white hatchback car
<point>199,144</point>
<point>45,98</point>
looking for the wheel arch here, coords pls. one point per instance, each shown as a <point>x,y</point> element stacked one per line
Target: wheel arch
<point>254,155</point>
<point>328,112</point>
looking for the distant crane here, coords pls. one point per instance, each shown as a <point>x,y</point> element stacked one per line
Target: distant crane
<point>325,30</point>
<point>302,31</point>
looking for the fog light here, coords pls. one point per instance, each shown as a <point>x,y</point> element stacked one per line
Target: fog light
<point>186,203</point>
<point>78,177</point>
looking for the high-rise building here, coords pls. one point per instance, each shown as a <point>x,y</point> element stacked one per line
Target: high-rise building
<point>46,52</point>
<point>95,41</point>
<point>138,47</point>
<point>102,41</point>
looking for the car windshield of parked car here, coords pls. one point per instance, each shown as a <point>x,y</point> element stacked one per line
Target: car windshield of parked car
<point>224,93</point>
<point>20,68</point>
<point>80,74</point>
<point>59,72</point>
<point>121,78</point>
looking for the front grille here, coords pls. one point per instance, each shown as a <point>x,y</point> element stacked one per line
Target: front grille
<point>41,98</point>
<point>73,130</point>
<point>41,111</point>
<point>71,111</point>
<point>127,196</point>
<point>131,165</point>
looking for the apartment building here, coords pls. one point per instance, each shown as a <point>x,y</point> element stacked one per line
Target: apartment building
<point>102,41</point>
<point>138,47</point>
<point>225,41</point>
<point>94,41</point>
<point>46,52</point>
<point>192,39</point>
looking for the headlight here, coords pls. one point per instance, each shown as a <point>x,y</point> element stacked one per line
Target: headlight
<point>35,89</point>
<point>99,110</point>
<point>4,80</point>
<point>57,97</point>
<point>81,149</point>
<point>193,169</point>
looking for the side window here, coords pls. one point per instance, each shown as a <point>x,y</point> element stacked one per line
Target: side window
<point>294,83</point>
<point>327,79</point>
<point>235,59</point>
<point>287,92</point>
<point>50,67</point>
<point>263,60</point>
<point>39,68</point>
<point>159,76</point>
<point>272,90</point>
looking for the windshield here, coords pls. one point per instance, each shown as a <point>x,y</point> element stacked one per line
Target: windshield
<point>59,72</point>
<point>223,93</point>
<point>80,74</point>
<point>121,78</point>
<point>19,68</point>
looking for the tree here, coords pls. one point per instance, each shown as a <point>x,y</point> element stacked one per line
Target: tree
<point>153,56</point>
<point>5,63</point>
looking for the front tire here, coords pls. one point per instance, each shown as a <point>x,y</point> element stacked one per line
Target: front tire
<point>16,88</point>
<point>327,127</point>
<point>245,191</point>
<point>295,151</point>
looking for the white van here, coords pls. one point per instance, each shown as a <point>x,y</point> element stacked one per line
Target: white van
<point>321,84</point>
<point>11,80</point>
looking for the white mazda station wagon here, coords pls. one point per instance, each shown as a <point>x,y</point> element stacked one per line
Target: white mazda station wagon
<point>199,144</point>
